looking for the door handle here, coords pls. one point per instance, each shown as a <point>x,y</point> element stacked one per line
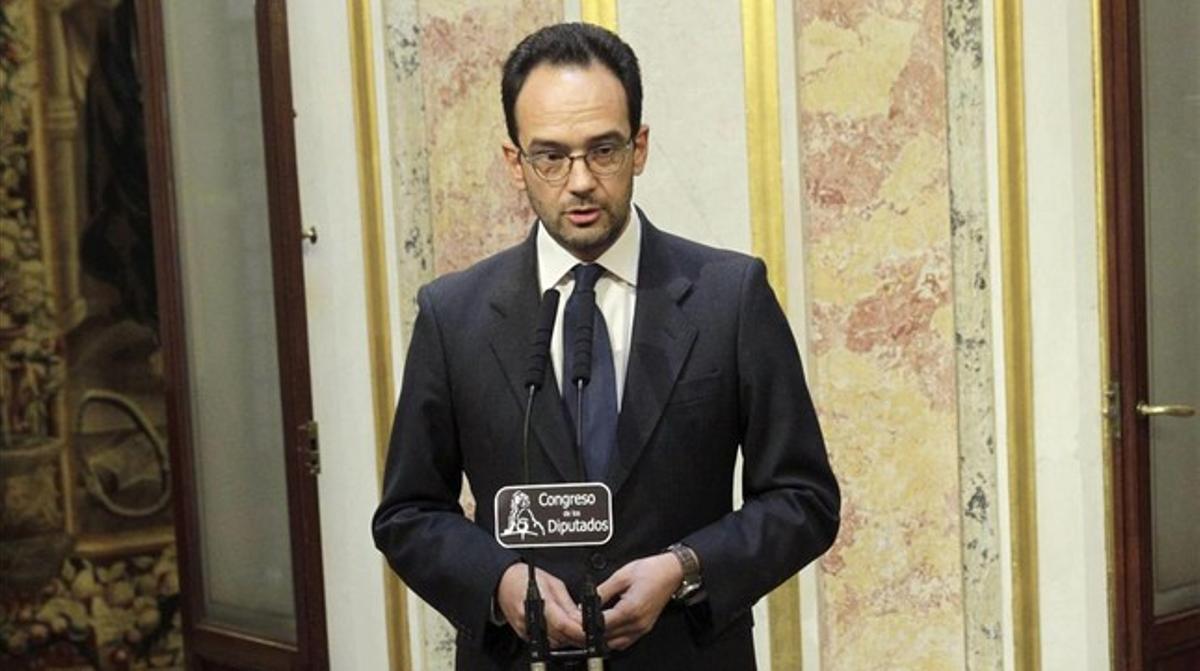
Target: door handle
<point>1147,410</point>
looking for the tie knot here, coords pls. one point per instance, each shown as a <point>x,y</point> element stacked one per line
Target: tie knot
<point>586,276</point>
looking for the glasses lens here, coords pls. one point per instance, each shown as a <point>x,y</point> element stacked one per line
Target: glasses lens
<point>606,159</point>
<point>550,166</point>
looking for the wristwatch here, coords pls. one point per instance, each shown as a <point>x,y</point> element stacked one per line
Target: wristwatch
<point>691,572</point>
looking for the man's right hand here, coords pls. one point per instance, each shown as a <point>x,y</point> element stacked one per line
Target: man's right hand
<point>564,620</point>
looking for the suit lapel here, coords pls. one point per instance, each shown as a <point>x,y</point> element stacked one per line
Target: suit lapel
<point>662,339</point>
<point>514,306</point>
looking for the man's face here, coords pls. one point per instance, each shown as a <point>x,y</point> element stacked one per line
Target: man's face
<point>568,110</point>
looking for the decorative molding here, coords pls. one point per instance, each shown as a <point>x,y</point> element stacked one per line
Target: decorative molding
<point>1018,359</point>
<point>379,334</point>
<point>603,13</point>
<point>1108,436</point>
<point>763,139</point>
<point>974,342</point>
<point>764,158</point>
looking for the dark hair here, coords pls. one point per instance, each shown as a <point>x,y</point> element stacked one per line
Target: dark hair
<point>571,44</point>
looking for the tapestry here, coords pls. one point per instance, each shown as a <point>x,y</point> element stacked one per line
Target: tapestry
<point>88,573</point>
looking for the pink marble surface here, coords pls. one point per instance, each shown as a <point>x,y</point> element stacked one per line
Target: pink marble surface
<point>873,127</point>
<point>463,44</point>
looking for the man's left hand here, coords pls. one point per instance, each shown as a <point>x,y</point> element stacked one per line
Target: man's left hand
<point>642,589</point>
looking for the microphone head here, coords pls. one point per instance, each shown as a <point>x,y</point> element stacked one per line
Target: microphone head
<point>539,350</point>
<point>548,310</point>
<point>581,368</point>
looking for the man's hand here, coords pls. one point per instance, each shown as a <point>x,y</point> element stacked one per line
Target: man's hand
<point>564,621</point>
<point>643,587</point>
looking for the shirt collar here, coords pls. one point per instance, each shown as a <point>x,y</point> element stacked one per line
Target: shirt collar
<point>620,260</point>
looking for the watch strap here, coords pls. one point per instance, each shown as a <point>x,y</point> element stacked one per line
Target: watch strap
<point>691,571</point>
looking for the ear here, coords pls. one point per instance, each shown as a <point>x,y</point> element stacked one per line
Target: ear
<point>641,149</point>
<point>512,160</point>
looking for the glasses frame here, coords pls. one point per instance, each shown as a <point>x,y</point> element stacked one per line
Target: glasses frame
<point>623,148</point>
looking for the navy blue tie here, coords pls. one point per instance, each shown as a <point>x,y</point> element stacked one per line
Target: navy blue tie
<point>599,433</point>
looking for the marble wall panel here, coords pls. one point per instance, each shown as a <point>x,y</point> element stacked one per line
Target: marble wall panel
<point>452,199</point>
<point>463,43</point>
<point>408,156</point>
<point>978,468</point>
<point>872,114</point>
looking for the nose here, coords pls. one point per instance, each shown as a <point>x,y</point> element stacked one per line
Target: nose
<point>580,179</point>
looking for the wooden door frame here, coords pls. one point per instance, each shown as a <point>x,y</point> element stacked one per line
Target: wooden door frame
<point>208,645</point>
<point>1140,638</point>
<point>1120,62</point>
<point>291,324</point>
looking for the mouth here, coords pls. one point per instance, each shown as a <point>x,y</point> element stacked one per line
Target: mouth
<point>582,216</point>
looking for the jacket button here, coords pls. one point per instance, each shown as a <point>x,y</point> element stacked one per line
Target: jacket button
<point>598,561</point>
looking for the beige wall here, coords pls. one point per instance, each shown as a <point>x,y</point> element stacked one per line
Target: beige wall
<point>1072,528</point>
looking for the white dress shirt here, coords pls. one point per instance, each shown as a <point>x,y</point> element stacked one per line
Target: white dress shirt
<point>616,292</point>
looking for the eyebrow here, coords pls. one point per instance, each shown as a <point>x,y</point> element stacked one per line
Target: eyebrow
<point>610,136</point>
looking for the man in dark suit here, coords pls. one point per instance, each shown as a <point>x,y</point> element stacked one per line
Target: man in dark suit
<point>694,359</point>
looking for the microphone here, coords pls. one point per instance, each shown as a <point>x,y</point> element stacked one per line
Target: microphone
<point>539,350</point>
<point>535,374</point>
<point>539,357</point>
<point>581,368</point>
<point>581,372</point>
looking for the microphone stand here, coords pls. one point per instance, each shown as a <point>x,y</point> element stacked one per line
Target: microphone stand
<point>535,614</point>
<point>593,617</point>
<point>594,649</point>
<point>593,626</point>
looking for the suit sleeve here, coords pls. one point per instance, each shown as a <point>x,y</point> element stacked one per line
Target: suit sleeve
<point>791,499</point>
<point>419,526</point>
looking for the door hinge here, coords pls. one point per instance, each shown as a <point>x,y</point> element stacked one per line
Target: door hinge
<point>1112,409</point>
<point>310,447</point>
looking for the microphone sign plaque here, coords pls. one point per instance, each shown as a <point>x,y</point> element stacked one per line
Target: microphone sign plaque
<point>560,515</point>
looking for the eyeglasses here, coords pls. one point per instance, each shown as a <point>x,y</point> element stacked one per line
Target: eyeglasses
<point>604,159</point>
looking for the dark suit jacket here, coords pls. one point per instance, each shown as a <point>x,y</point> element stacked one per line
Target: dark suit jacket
<point>712,366</point>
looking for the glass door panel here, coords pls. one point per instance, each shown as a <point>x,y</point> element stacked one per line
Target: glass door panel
<point>1171,136</point>
<point>216,124</point>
